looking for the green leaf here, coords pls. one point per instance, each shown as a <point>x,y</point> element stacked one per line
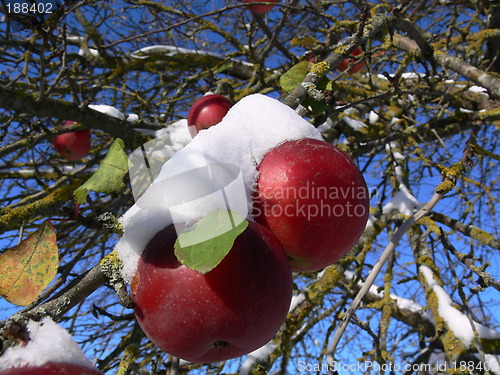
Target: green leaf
<point>27,269</point>
<point>294,77</point>
<point>109,177</point>
<point>204,246</point>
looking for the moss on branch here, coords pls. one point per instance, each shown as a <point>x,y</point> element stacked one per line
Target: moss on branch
<point>13,218</point>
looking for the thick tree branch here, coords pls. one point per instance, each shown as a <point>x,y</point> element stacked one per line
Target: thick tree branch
<point>13,218</point>
<point>454,63</point>
<point>29,103</point>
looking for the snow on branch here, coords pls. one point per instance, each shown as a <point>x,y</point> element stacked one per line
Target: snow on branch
<point>455,320</point>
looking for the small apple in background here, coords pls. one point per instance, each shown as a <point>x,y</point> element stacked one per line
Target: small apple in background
<point>259,8</point>
<point>73,145</point>
<point>52,368</point>
<point>314,199</point>
<point>207,111</point>
<point>349,61</point>
<point>225,313</point>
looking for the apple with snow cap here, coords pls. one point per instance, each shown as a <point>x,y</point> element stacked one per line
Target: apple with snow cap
<point>50,351</point>
<point>242,139</point>
<point>238,305</point>
<point>207,111</point>
<point>52,368</point>
<point>230,311</point>
<point>259,8</point>
<point>72,145</point>
<point>314,199</point>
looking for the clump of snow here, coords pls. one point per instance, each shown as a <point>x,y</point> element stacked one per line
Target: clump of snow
<point>257,356</point>
<point>373,117</point>
<point>478,89</point>
<point>237,145</point>
<point>392,148</point>
<point>458,322</point>
<point>49,342</point>
<point>327,125</point>
<point>354,124</point>
<point>492,363</point>
<point>412,75</point>
<point>297,299</point>
<point>178,133</point>
<point>75,39</point>
<point>403,201</point>
<point>113,112</point>
<point>402,303</point>
<point>371,221</point>
<point>171,51</point>
<point>132,118</point>
<point>87,52</point>
<point>108,110</point>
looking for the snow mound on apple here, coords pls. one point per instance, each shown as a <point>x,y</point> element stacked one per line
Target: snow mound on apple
<point>49,342</point>
<point>252,127</point>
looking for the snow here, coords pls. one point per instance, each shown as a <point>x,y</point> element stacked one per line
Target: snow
<point>113,112</point>
<point>178,132</point>
<point>402,303</point>
<point>371,221</point>
<point>31,171</point>
<point>406,75</point>
<point>458,322</point>
<point>216,169</point>
<point>373,117</point>
<point>88,52</point>
<point>354,124</point>
<point>167,50</point>
<point>49,342</point>
<point>132,118</point>
<point>75,39</point>
<point>168,141</point>
<point>108,110</point>
<point>403,201</point>
<point>256,356</point>
<point>392,147</point>
<point>478,89</point>
<point>297,299</point>
<point>327,125</point>
<point>412,75</point>
<point>492,364</point>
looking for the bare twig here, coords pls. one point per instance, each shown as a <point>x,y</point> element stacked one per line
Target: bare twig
<point>449,180</point>
<point>375,271</point>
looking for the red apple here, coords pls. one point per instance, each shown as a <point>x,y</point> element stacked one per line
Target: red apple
<point>228,312</point>
<point>349,61</point>
<point>52,368</point>
<point>315,200</point>
<point>207,111</point>
<point>73,145</point>
<point>260,8</point>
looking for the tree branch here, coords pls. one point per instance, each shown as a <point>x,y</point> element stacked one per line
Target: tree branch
<point>25,102</point>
